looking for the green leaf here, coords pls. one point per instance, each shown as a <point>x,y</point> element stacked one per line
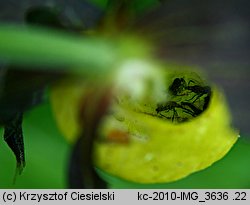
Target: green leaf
<point>46,154</point>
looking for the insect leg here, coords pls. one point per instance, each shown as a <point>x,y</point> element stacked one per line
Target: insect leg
<point>197,97</point>
<point>191,81</point>
<point>189,112</point>
<point>167,110</point>
<point>175,114</point>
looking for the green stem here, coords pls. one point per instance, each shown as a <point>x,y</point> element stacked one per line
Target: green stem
<point>34,46</point>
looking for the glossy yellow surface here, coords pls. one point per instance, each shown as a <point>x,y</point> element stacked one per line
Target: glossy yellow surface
<point>141,147</point>
<point>65,98</point>
<point>160,151</point>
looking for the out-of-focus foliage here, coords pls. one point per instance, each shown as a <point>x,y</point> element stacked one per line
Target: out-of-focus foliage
<point>42,141</point>
<point>139,5</point>
<point>101,3</point>
<point>76,54</point>
<point>44,171</point>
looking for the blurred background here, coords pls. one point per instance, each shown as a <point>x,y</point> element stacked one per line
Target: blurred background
<point>224,59</point>
<point>47,159</point>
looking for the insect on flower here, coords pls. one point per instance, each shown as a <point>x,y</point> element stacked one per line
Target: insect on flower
<point>180,30</point>
<point>172,106</point>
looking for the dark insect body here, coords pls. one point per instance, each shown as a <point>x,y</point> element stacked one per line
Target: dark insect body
<point>172,105</point>
<point>179,86</point>
<point>200,91</point>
